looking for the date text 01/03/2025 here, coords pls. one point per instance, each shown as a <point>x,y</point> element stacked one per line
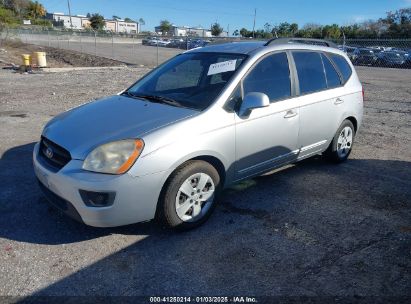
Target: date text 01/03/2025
<point>203,299</point>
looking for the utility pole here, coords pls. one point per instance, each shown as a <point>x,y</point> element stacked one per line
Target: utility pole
<point>71,21</point>
<point>255,15</point>
<point>343,41</point>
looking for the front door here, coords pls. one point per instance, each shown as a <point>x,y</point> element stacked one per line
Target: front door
<point>267,137</point>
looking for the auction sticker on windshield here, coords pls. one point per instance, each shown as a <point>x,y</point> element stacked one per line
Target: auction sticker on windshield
<point>222,67</point>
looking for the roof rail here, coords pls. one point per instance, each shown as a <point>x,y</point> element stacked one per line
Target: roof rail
<point>311,41</point>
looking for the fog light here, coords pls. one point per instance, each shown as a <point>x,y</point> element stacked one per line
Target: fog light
<point>97,199</point>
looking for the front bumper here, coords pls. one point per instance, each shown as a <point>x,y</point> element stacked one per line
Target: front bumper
<point>135,201</point>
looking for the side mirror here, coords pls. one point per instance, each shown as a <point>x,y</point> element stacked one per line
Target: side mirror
<point>253,100</point>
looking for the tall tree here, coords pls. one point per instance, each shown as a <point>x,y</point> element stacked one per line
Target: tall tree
<point>97,22</point>
<point>165,27</point>
<point>18,6</point>
<point>116,17</point>
<point>331,31</point>
<point>35,10</point>
<point>245,33</point>
<point>142,22</point>
<point>216,29</point>
<point>293,28</point>
<point>268,27</point>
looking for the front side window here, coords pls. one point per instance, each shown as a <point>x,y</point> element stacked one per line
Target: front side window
<point>191,80</point>
<point>270,76</point>
<point>310,70</point>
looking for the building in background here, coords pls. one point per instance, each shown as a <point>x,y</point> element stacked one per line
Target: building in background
<point>62,20</point>
<point>111,25</point>
<point>120,26</point>
<point>184,31</point>
<point>79,22</point>
<point>85,23</point>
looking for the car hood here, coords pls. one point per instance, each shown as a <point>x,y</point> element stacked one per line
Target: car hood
<point>82,129</point>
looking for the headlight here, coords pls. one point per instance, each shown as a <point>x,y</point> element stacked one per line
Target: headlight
<point>115,157</point>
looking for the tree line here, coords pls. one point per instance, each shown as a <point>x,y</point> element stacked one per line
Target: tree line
<point>12,12</point>
<point>396,24</point>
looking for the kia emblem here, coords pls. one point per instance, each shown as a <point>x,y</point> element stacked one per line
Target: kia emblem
<point>49,153</point>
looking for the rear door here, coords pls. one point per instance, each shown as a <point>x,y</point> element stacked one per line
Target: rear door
<point>318,87</point>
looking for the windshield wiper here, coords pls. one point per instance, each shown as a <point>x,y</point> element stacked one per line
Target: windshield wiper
<point>155,98</point>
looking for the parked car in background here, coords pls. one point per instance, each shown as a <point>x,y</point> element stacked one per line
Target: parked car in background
<point>150,40</point>
<point>176,43</point>
<point>391,59</point>
<point>198,43</point>
<point>163,42</point>
<point>153,41</point>
<point>210,117</point>
<point>350,51</point>
<point>366,56</point>
<point>407,56</point>
<point>145,41</point>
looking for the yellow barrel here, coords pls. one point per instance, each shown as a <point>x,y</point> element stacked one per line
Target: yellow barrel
<point>26,59</point>
<point>40,59</point>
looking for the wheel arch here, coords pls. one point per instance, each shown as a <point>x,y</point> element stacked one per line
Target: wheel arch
<point>353,121</point>
<point>211,159</point>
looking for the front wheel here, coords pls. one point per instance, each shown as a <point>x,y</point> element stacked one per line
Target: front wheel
<point>189,196</point>
<point>341,145</point>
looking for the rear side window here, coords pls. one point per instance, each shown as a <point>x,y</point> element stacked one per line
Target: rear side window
<point>310,70</point>
<point>270,76</point>
<point>342,65</point>
<point>333,79</point>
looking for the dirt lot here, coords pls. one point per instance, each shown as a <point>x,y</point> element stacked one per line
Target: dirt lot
<point>312,229</point>
<point>11,51</point>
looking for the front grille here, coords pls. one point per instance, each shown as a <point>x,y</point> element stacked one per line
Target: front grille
<point>53,155</point>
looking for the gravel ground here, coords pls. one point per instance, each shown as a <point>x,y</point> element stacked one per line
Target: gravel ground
<point>11,51</point>
<point>125,50</point>
<point>311,229</point>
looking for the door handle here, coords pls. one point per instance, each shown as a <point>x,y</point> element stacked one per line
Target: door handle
<point>338,101</point>
<point>290,113</point>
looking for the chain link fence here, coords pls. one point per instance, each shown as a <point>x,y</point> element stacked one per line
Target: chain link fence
<point>152,51</point>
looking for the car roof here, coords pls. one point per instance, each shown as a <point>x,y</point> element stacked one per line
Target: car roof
<point>231,47</point>
<point>247,48</point>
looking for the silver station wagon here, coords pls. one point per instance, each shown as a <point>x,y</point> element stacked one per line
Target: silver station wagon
<point>210,117</point>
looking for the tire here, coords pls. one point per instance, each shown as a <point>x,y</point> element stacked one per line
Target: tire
<point>341,146</point>
<point>182,206</point>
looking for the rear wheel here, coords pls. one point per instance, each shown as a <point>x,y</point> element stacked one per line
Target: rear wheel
<point>341,145</point>
<point>189,197</point>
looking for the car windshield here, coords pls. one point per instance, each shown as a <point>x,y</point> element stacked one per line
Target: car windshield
<point>191,80</point>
